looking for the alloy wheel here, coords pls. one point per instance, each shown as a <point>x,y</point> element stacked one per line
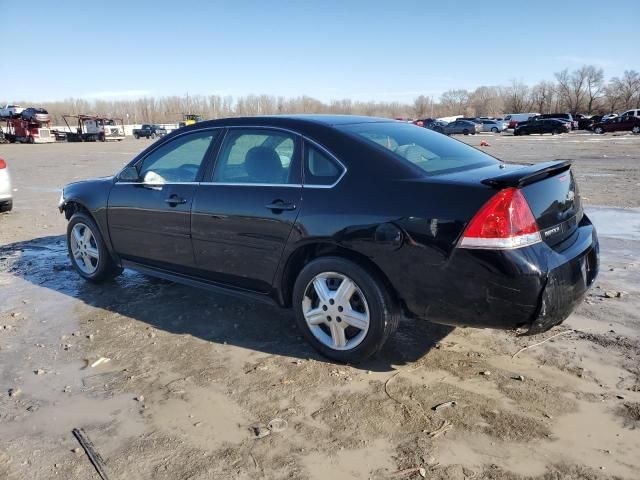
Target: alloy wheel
<point>84,248</point>
<point>336,311</point>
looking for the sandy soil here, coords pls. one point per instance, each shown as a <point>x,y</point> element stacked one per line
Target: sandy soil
<point>201,386</point>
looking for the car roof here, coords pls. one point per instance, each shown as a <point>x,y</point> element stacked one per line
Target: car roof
<point>294,120</point>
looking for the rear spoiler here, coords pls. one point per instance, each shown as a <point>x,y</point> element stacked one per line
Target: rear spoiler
<point>528,174</point>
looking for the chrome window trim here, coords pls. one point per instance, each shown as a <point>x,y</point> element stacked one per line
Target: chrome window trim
<point>331,155</point>
<point>156,148</point>
<point>244,184</point>
<point>144,184</point>
<point>304,138</point>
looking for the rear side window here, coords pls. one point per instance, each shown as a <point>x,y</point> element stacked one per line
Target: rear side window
<point>432,152</point>
<point>320,168</point>
<point>257,156</point>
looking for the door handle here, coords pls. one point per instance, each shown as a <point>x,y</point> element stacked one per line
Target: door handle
<point>280,205</point>
<point>175,200</point>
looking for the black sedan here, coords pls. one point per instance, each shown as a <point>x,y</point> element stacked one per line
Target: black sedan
<point>350,221</point>
<point>542,125</point>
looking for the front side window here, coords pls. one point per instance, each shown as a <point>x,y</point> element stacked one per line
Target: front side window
<point>320,168</point>
<point>432,152</point>
<point>179,160</point>
<point>257,156</point>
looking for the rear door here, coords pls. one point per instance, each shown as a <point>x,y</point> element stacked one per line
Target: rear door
<point>243,213</point>
<point>149,220</point>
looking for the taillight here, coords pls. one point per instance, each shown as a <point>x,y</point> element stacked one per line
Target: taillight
<point>3,164</point>
<point>504,222</point>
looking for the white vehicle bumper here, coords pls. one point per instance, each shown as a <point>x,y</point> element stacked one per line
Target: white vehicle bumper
<point>5,186</point>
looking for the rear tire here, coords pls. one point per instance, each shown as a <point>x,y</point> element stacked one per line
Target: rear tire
<point>494,130</point>
<point>599,130</point>
<point>636,129</point>
<point>136,136</point>
<point>368,297</point>
<point>87,250</point>
<point>465,131</point>
<point>6,206</point>
<point>153,136</point>
<point>555,131</point>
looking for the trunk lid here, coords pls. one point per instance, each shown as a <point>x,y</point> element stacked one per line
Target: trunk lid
<point>552,194</point>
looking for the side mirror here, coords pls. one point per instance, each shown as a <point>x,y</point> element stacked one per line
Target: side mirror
<point>129,174</point>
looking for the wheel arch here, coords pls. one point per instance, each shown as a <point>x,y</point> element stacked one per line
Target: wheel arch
<point>73,205</point>
<point>305,254</point>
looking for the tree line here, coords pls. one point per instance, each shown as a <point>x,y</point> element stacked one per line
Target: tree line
<point>583,90</point>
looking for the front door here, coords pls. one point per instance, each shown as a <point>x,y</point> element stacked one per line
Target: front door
<point>149,220</point>
<point>243,215</point>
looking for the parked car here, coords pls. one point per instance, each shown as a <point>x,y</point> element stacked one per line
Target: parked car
<point>492,126</point>
<point>584,121</point>
<point>553,126</point>
<point>631,113</point>
<point>6,193</point>
<point>560,116</point>
<point>625,123</point>
<point>461,126</point>
<point>35,115</point>
<point>513,119</point>
<point>384,202</point>
<point>433,124</point>
<point>149,131</point>
<point>9,111</point>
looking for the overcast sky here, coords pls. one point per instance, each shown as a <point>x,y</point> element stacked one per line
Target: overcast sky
<point>367,50</point>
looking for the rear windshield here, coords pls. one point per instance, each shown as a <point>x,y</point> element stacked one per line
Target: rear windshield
<point>434,153</point>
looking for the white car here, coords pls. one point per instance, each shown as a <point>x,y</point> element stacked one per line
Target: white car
<point>494,126</point>
<point>631,113</point>
<point>9,111</point>
<point>6,195</point>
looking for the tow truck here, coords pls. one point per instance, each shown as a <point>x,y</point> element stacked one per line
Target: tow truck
<point>93,128</point>
<point>28,131</point>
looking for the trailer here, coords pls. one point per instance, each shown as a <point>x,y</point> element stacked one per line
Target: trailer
<point>28,131</point>
<point>93,128</point>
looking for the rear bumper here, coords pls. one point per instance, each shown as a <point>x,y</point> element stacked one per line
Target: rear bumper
<point>568,282</point>
<point>532,288</point>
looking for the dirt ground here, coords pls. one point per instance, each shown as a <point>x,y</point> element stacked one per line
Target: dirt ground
<point>201,386</point>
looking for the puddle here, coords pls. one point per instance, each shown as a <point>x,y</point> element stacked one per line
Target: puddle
<point>601,443</point>
<point>202,417</point>
<point>622,223</point>
<point>350,464</point>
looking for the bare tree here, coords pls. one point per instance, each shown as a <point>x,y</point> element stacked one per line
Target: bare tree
<point>420,106</point>
<point>572,88</point>
<point>627,88</point>
<point>517,97</point>
<point>455,102</point>
<point>542,96</point>
<point>594,86</point>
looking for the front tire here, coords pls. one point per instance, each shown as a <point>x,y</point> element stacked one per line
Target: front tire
<point>636,129</point>
<point>87,250</point>
<point>345,312</point>
<point>599,130</point>
<point>494,130</point>
<point>465,131</point>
